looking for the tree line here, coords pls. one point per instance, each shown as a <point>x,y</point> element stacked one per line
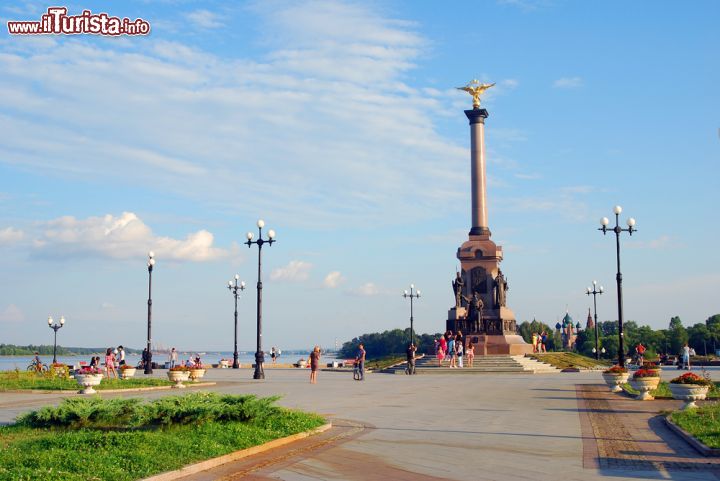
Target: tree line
<point>47,350</point>
<point>703,337</point>
<point>395,341</point>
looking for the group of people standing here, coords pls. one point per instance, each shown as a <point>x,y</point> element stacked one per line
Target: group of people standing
<point>539,342</point>
<point>114,359</point>
<point>451,347</point>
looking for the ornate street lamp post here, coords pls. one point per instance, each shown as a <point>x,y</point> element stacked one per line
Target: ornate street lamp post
<point>148,359</point>
<point>412,296</point>
<point>234,289</point>
<point>55,327</point>
<point>594,291</point>
<point>617,230</point>
<point>259,355</point>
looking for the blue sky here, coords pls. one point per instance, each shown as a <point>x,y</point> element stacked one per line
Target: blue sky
<point>338,124</point>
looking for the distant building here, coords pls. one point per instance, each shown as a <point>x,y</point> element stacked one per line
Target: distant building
<point>590,322</point>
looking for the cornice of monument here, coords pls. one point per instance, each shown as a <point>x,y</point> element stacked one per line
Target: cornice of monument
<point>476,116</point>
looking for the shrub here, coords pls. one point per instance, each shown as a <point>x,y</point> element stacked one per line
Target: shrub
<point>134,413</point>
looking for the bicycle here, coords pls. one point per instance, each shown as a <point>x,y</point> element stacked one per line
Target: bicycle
<point>36,366</point>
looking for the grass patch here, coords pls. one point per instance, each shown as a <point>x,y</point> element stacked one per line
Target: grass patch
<point>663,391</point>
<point>563,360</point>
<point>383,362</point>
<point>703,423</point>
<point>105,439</point>
<point>12,380</point>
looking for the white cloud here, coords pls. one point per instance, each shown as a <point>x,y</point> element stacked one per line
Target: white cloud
<point>510,83</point>
<point>122,237</point>
<point>568,82</point>
<point>662,242</point>
<point>206,127</point>
<point>10,235</point>
<point>294,271</point>
<point>12,313</point>
<point>204,19</point>
<point>366,290</point>
<point>333,280</point>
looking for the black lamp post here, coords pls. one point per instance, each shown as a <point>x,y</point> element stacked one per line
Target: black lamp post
<point>617,230</point>
<point>234,288</point>
<point>55,327</point>
<point>148,356</point>
<point>259,355</point>
<point>594,291</point>
<point>412,295</point>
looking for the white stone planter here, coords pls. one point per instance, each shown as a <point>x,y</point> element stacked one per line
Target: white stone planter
<point>87,382</point>
<point>196,374</point>
<point>302,363</point>
<point>644,385</point>
<point>689,393</point>
<point>224,364</point>
<point>614,381</point>
<point>178,377</point>
<point>127,373</point>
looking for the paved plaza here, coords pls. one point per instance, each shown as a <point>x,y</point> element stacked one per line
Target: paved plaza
<point>459,427</point>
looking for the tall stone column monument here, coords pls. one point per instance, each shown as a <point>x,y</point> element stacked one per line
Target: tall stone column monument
<point>480,310</point>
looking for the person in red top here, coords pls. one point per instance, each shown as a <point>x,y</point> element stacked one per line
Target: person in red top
<point>640,349</point>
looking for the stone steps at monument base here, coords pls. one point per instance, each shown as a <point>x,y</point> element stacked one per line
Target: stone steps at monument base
<point>481,364</point>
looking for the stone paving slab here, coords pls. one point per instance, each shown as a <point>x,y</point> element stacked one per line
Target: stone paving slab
<point>474,427</point>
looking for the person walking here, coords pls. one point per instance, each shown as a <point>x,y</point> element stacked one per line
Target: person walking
<point>451,351</point>
<point>470,353</point>
<point>543,342</point>
<point>314,364</point>
<point>110,363</point>
<point>440,354</point>
<point>443,347</point>
<point>460,353</point>
<point>360,362</point>
<point>686,356</point>
<point>173,357</point>
<point>273,354</point>
<point>410,356</point>
<point>121,355</point>
<point>535,342</point>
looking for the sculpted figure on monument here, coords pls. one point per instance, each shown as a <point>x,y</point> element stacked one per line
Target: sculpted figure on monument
<point>475,308</point>
<point>458,285</point>
<point>501,287</point>
<point>476,89</point>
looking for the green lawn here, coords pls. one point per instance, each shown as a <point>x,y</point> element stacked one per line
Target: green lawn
<point>383,362</point>
<point>703,423</point>
<point>12,380</point>
<point>128,439</point>
<point>562,360</point>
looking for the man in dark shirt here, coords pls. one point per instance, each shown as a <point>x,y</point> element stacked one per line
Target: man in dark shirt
<point>360,363</point>
<point>410,353</point>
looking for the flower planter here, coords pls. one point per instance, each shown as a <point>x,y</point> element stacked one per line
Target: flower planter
<point>178,377</point>
<point>196,374</point>
<point>87,382</point>
<point>644,385</point>
<point>224,364</point>
<point>127,373</point>
<point>689,393</point>
<point>614,381</point>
